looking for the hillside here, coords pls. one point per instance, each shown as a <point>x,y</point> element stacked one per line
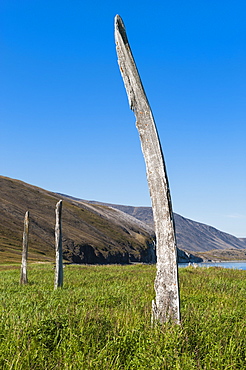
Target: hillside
<point>91,233</point>
<point>96,232</point>
<point>194,237</point>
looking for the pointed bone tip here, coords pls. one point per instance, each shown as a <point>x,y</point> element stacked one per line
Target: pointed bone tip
<point>120,28</point>
<point>117,19</point>
<point>119,24</point>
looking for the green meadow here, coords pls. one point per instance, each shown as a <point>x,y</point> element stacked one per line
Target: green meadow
<point>101,319</point>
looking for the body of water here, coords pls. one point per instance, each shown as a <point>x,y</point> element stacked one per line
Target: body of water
<point>240,265</point>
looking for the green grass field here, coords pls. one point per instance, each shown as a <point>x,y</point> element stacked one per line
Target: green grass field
<point>101,319</point>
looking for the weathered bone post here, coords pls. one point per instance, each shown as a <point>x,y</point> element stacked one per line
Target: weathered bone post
<point>58,247</point>
<point>166,304</point>
<point>23,276</point>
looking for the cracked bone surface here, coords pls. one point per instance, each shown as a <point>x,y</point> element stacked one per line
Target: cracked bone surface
<point>23,277</point>
<point>165,307</point>
<point>58,246</point>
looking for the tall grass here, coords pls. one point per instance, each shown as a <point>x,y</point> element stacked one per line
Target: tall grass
<point>101,319</point>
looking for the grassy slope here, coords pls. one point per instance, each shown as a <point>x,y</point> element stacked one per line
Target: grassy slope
<point>101,320</point>
<point>83,224</point>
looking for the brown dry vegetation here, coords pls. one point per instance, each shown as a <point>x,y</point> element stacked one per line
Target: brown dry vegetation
<point>98,230</point>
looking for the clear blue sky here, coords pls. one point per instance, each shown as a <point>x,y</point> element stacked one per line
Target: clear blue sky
<point>65,121</point>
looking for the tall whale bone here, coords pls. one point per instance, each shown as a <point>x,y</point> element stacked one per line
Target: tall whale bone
<point>23,276</point>
<point>166,305</point>
<point>58,247</point>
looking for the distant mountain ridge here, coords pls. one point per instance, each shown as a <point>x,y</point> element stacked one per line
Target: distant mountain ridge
<point>92,233</point>
<point>95,232</point>
<point>191,235</point>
